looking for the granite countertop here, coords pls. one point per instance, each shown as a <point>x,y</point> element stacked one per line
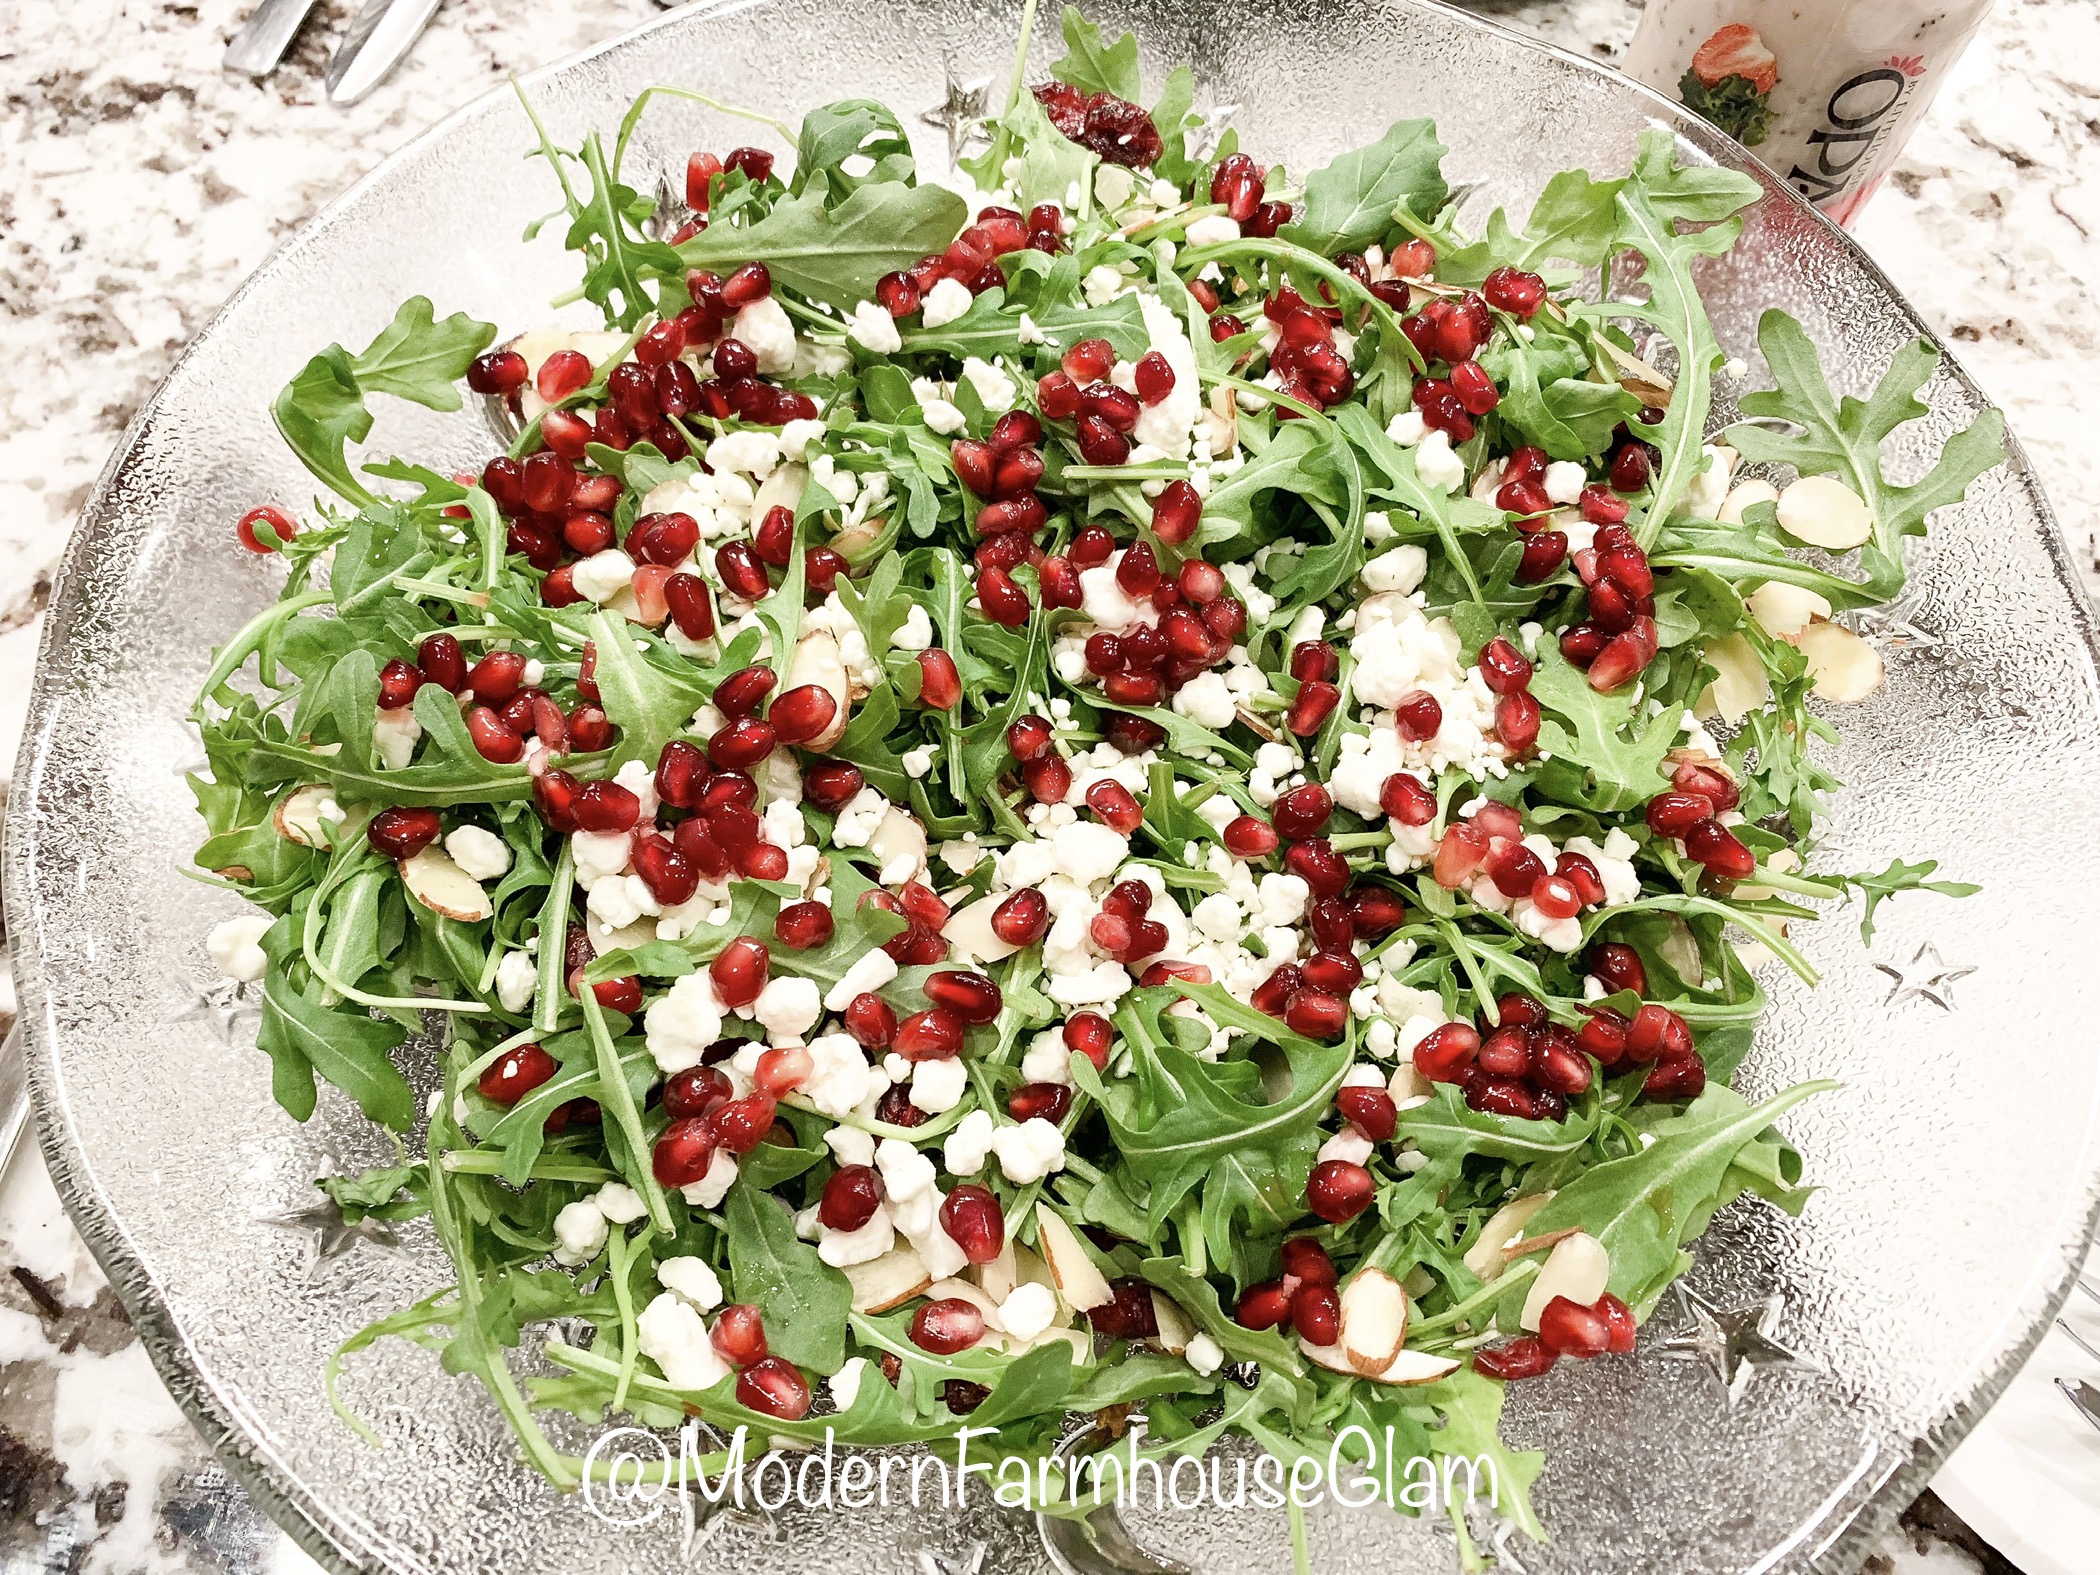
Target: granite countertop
<point>140,184</point>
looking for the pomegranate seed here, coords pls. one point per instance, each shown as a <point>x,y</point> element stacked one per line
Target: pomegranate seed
<point>851,1196</point>
<point>1710,784</point>
<point>1604,1035</point>
<point>492,739</point>
<point>1100,443</point>
<point>1263,1306</point>
<point>1631,468</point>
<point>1621,1330</point>
<point>1302,812</point>
<point>1091,1035</point>
<point>607,806</point>
<point>1114,804</point>
<point>742,1124</point>
<point>1522,497</point>
<point>740,971</point>
<point>616,995</point>
<point>1446,1053</point>
<point>684,1152</point>
<point>1418,716</point>
<point>563,373</point>
<point>832,784</point>
<point>1004,602</point>
<point>1684,1078</point>
<point>1051,1102</point>
<point>1715,846</point>
<point>1311,707</point>
<point>1657,1034</point>
<point>670,873</point>
<point>1408,799</point>
<point>1029,738</point>
<point>1504,667</point>
<point>1673,814</point>
<point>752,282</point>
<point>1266,220</point>
<point>969,996</point>
<point>803,926</point>
<point>1474,388</point>
<point>1517,718</point>
<point>1569,1329</point>
<point>398,683</point>
<point>1306,1261</point>
<point>1624,657</point>
<point>1556,897</point>
<point>932,1035</point>
<point>1544,553</point>
<point>940,685</point>
<point>1247,838</point>
<point>947,1326</point>
<point>1154,377</point>
<point>1023,918</point>
<point>1316,1313</point>
<point>1057,396</point>
<point>1513,291</point>
<point>1237,183</point>
<point>1338,1190</point>
<point>1558,1062</point>
<point>1617,967</point>
<point>1316,1014</point>
<point>870,1020</point>
<point>1128,1314</point>
<point>741,571</point>
<point>516,1073</point>
<point>700,171</point>
<point>1317,864</point>
<point>1601,506</point>
<point>1176,512</point>
<point>742,743</point>
<point>898,294</point>
<point>774,1387</point>
<point>974,1221</point>
<point>1274,993</point>
<point>1526,1356</point>
<point>1048,779</point>
<point>498,372</point>
<point>803,713</point>
<point>1370,1110</point>
<point>739,1334</point>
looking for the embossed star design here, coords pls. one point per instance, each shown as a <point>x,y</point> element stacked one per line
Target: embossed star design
<point>1926,977</point>
<point>331,1237</point>
<point>220,1004</point>
<point>1736,1343</point>
<point>963,112</point>
<point>1895,628</point>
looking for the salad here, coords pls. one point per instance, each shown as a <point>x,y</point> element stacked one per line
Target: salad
<point>1133,780</point>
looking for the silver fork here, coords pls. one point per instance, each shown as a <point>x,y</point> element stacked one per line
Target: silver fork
<point>2084,1397</point>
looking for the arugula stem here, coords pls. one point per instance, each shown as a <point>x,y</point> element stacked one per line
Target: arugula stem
<point>619,1257</point>
<point>490,1162</point>
<point>554,937</point>
<point>249,639</point>
<point>618,1098</point>
<point>1516,1274</point>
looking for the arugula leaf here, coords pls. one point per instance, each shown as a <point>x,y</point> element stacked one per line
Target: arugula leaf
<point>992,327</point>
<point>803,1299</point>
<point>835,255</point>
<point>834,133</point>
<point>1054,168</point>
<point>1606,752</point>
<point>1349,203</point>
<point>345,1045</point>
<point>1094,66</point>
<point>1844,437</point>
<point>649,704</point>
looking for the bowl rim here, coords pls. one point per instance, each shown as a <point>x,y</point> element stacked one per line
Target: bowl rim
<point>1845,1526</point>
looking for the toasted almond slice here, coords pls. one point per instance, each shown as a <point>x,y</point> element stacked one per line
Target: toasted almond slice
<point>782,489</point>
<point>1745,497</point>
<point>1636,376</point>
<point>969,935</point>
<point>1175,1330</point>
<point>897,837</point>
<point>1082,1286</point>
<point>1824,512</point>
<point>1029,1267</point>
<point>1504,1226</point>
<point>604,938</point>
<point>300,813</point>
<point>1374,1321</point>
<point>1680,949</point>
<point>1578,1268</point>
<point>1406,1367</point>
<point>817,661</point>
<point>888,1281</point>
<point>444,888</point>
<point>998,1278</point>
<point>1525,1246</point>
<point>1409,1088</point>
<point>1843,667</point>
<point>1739,684</point>
<point>1782,610</point>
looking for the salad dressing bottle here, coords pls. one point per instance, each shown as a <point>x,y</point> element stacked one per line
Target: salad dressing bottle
<point>1826,92</point>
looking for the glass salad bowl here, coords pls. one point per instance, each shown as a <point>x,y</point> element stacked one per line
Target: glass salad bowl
<point>1779,1412</point>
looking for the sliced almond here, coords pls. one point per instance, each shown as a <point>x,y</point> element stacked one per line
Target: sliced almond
<point>1843,667</point>
<point>1374,1321</point>
<point>1409,1088</point>
<point>1746,496</point>
<point>817,661</point>
<point>1636,376</point>
<point>857,539</point>
<point>1824,512</point>
<point>300,813</point>
<point>886,1282</point>
<point>998,1278</point>
<point>1175,1330</point>
<point>604,938</point>
<point>1029,1267</point>
<point>782,489</point>
<point>899,836</point>
<point>969,933</point>
<point>1406,1367</point>
<point>1577,1268</point>
<point>1504,1226</point>
<point>444,888</point>
<point>1782,610</point>
<point>1680,949</point>
<point>1525,1246</point>
<point>1739,685</point>
<point>1082,1286</point>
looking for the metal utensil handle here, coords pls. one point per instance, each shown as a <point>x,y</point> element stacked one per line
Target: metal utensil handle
<point>268,33</point>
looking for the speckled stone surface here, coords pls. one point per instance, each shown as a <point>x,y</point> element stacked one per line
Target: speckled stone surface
<point>139,184</point>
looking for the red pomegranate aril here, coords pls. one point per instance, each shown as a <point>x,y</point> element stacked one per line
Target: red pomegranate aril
<point>1266,220</point>
<point>497,677</point>
<point>684,1152</point>
<point>969,996</point>
<point>1582,880</point>
<point>1715,786</point>
<point>1474,388</point>
<point>1506,1052</point>
<point>1376,912</point>
<point>516,1073</point>
<point>1263,1306</point>
<point>1333,970</point>
<point>947,1326</point>
<point>1315,862</point>
<point>975,464</point>
<point>1712,844</point>
<point>1618,967</point>
<point>1302,812</point>
<point>870,1020</point>
<point>1316,1314</point>
<point>1023,918</point>
<point>1603,1035</point>
<point>398,683</point>
<point>1154,377</point>
<point>1091,1035</point>
<point>1003,601</point>
<point>1316,1014</point>
<point>492,739</point>
<point>1315,662</point>
<point>562,374</point>
<point>1338,1190</point>
<point>1112,802</point>
<point>803,713</point>
<point>764,861</point>
<point>1567,1328</point>
<point>1631,468</point>
<point>1176,513</point>
<point>1089,360</point>
<point>1522,497</point>
<point>742,1124</point>
<point>554,796</point>
<point>752,282</point>
<point>1408,799</point>
<point>700,171</point>
<point>1621,1329</point>
<point>1100,443</point>
<point>1544,553</point>
<point>935,1034</point>
<point>1514,291</point>
<point>670,874</point>
<point>803,926</point>
<point>1657,1034</point>
<point>1514,1008</point>
<point>1050,1102</point>
<point>1599,505</point>
<point>1237,184</point>
<point>774,1387</point>
<point>1247,838</point>
<point>832,784</point>
<point>1311,707</point>
<point>1418,716</point>
<point>1057,396</point>
<point>1527,1356</point>
<point>898,294</point>
<point>974,1222</point>
<point>742,743</point>
<point>1016,473</point>
<point>498,372</point>
<point>740,971</point>
<point>566,435</point>
<point>1505,668</point>
<point>1558,1062</point>
<point>1556,897</point>
<point>1047,778</point>
<point>940,685</point>
<point>741,571</point>
<point>1029,738</point>
<point>606,806</point>
<point>691,604</point>
<point>1517,720</point>
<point>1274,993</point>
<point>1673,814</point>
<point>1306,1261</point>
<point>851,1195</point>
<point>1684,1078</point>
<point>739,1334</point>
<point>1624,656</point>
<point>1447,1053</point>
<point>1369,1109</point>
<point>922,905</point>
